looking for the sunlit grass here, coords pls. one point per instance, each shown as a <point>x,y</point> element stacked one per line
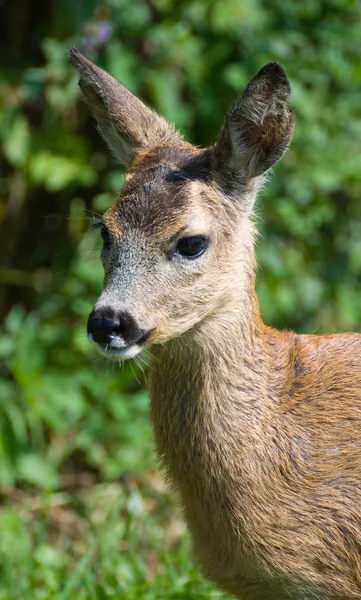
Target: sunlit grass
<point>97,540</point>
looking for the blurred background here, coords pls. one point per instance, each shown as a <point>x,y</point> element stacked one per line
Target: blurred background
<point>83,510</point>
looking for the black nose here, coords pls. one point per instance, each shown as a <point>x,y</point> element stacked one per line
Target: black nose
<point>105,325</point>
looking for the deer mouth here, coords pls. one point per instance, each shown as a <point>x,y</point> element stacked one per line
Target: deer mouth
<point>116,347</point>
<point>112,351</point>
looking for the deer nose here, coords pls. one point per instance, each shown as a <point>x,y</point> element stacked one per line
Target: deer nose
<point>105,326</point>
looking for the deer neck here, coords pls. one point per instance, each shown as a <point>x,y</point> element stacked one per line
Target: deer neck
<point>208,391</point>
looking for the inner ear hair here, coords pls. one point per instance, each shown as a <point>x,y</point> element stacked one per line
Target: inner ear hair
<point>259,126</point>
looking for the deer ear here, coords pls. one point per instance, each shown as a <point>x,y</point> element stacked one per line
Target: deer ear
<point>126,124</point>
<point>258,128</point>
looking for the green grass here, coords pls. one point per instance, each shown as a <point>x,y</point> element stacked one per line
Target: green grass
<point>97,541</point>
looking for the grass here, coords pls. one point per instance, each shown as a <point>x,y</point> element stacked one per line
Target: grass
<point>96,540</point>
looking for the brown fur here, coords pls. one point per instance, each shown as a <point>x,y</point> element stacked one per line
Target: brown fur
<point>259,431</point>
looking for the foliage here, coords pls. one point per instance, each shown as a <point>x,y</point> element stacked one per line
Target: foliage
<point>63,418</point>
<point>101,541</point>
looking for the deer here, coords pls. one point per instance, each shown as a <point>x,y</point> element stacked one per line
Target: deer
<point>258,430</point>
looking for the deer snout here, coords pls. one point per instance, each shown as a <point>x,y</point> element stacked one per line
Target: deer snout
<point>116,332</point>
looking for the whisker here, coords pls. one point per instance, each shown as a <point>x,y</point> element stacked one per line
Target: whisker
<point>148,360</point>
<point>86,260</point>
<point>147,364</point>
<point>138,363</point>
<point>134,373</point>
<point>69,218</point>
<point>92,212</point>
<point>99,363</point>
<point>141,359</point>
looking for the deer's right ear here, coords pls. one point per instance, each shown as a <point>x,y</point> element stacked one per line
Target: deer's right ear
<point>126,124</point>
<point>258,128</point>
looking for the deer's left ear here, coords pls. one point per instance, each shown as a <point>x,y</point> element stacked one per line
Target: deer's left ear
<point>258,128</point>
<point>126,124</point>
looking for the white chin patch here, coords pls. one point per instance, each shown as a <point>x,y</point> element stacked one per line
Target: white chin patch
<point>118,353</point>
<point>117,348</point>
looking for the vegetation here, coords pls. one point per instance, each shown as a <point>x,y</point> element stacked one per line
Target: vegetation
<point>83,512</point>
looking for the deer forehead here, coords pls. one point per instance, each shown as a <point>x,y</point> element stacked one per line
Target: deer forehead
<point>164,200</point>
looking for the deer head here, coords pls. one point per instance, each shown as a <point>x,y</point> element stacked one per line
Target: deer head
<point>178,239</point>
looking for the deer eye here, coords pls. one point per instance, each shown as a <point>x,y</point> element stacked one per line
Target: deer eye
<point>192,247</point>
<point>105,236</point>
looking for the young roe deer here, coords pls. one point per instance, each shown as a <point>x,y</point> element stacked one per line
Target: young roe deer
<point>259,430</point>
